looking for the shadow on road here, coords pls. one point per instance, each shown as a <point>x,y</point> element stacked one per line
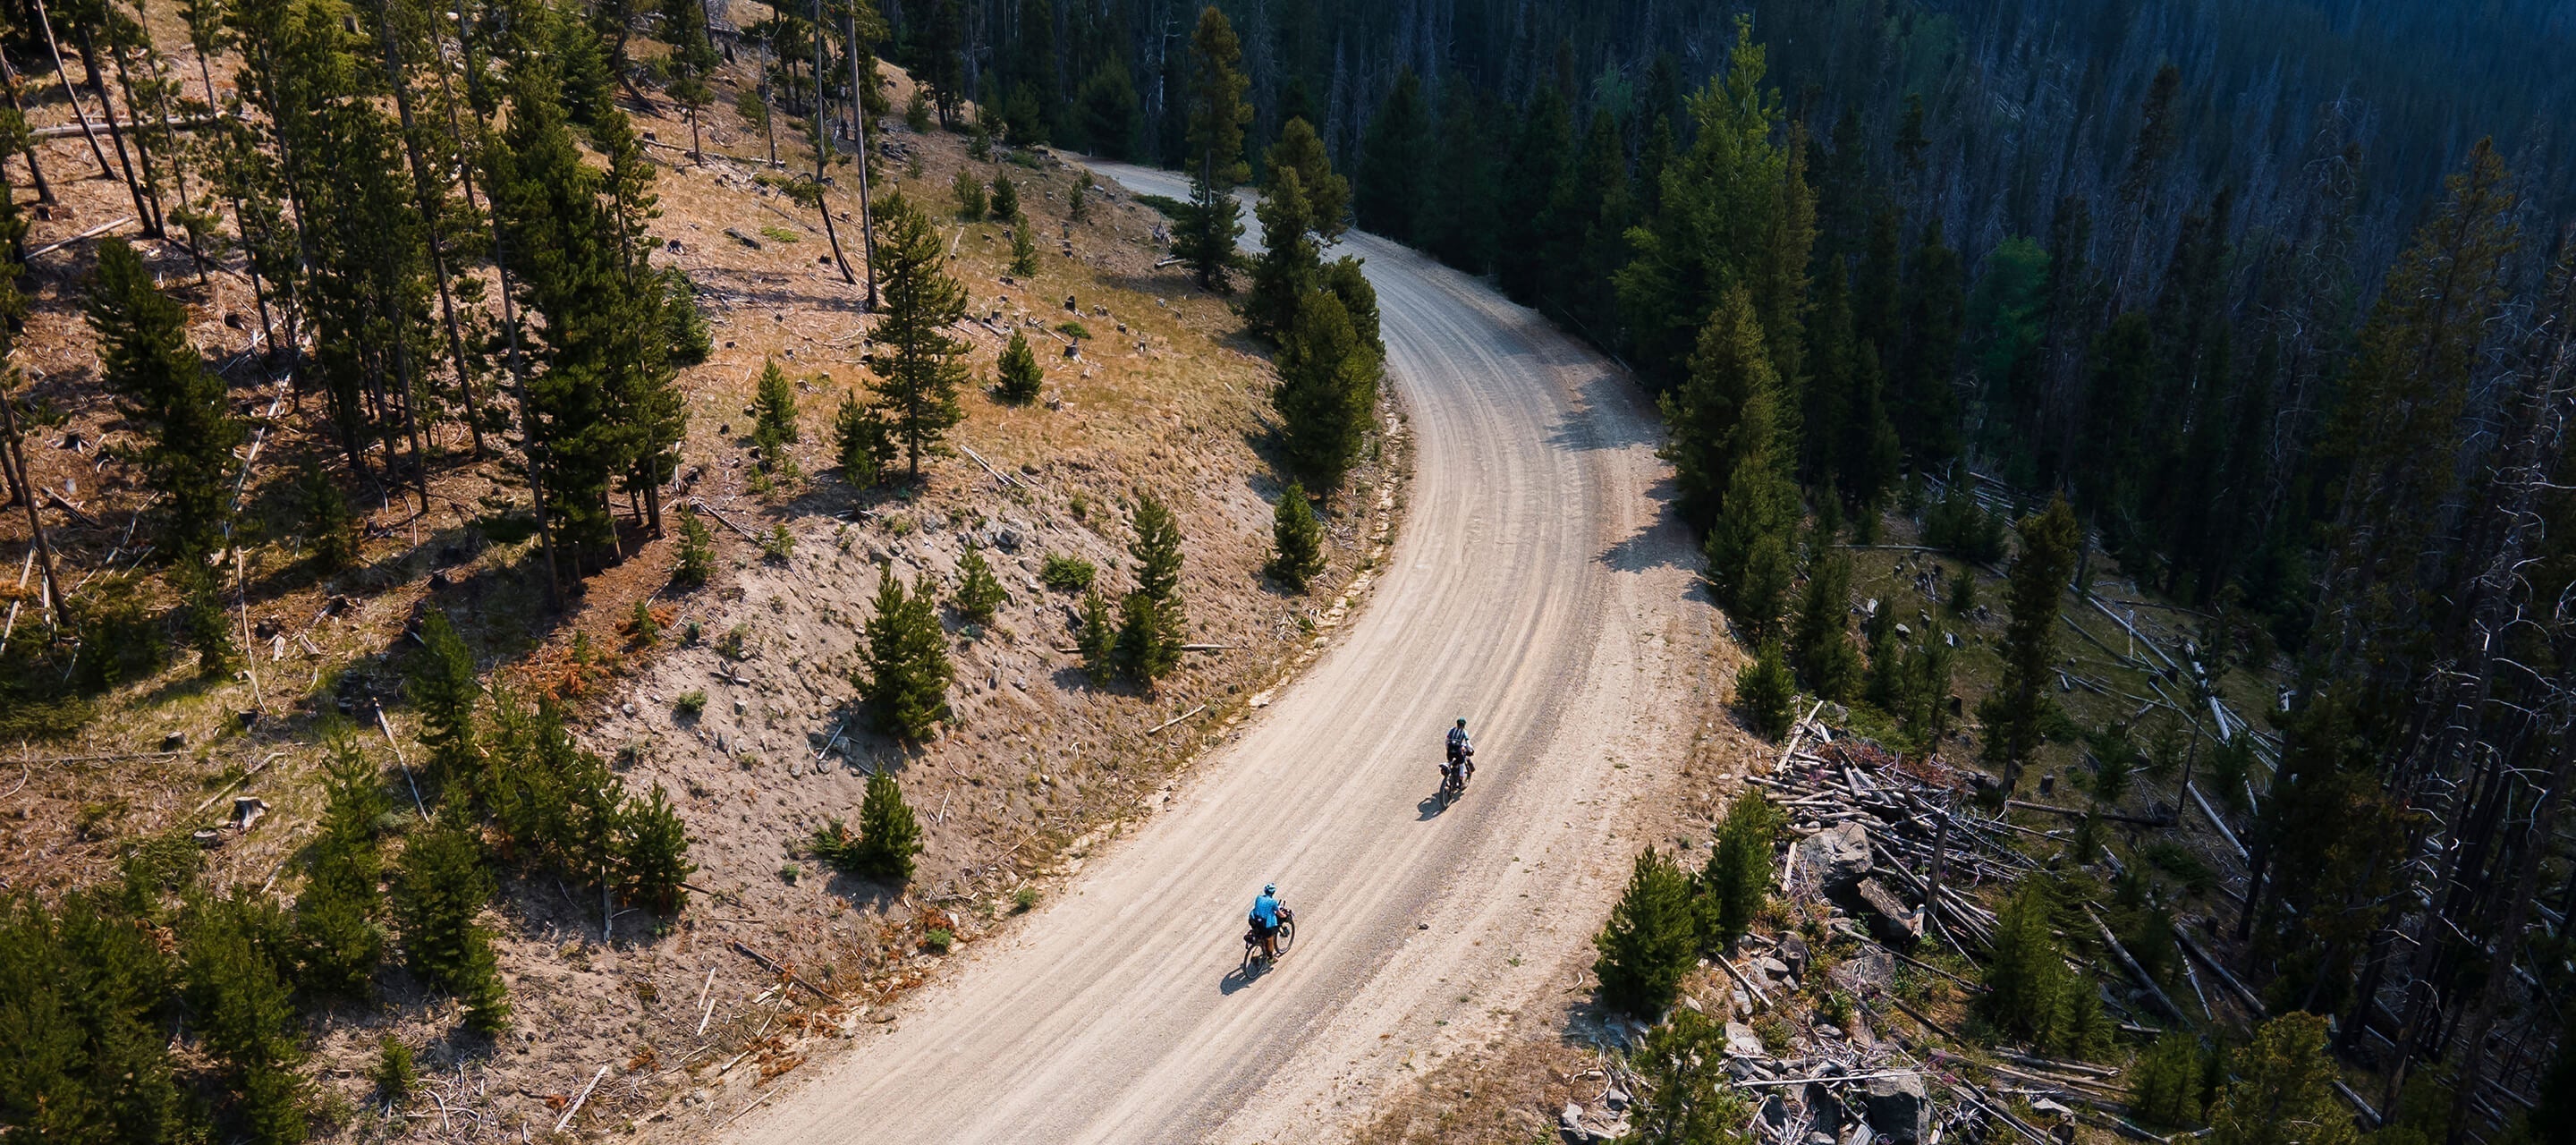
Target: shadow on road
<point>1241,978</point>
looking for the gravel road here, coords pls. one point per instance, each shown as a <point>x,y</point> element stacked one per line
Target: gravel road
<point>1539,588</point>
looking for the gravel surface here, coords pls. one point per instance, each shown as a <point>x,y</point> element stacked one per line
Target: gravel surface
<point>1538,588</point>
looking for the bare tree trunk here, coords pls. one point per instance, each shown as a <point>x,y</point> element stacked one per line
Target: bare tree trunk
<point>822,143</point>
<point>2507,937</point>
<point>73,94</point>
<point>27,145</point>
<point>429,214</point>
<point>16,457</point>
<point>859,130</point>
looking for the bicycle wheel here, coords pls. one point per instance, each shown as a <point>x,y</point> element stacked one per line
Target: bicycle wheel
<point>1287,934</point>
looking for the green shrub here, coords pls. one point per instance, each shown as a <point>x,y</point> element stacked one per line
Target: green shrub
<point>1148,645</point>
<point>1072,329</point>
<point>939,939</point>
<point>394,1074</point>
<point>780,545</point>
<point>1066,574</point>
<point>641,625</point>
<point>866,442</point>
<point>691,703</point>
<point>1024,899</point>
<point>652,853</point>
<point>1020,376</point>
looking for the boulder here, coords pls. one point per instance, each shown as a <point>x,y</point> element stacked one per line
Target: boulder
<point>1742,1042</point>
<point>1793,950</point>
<point>1896,923</point>
<point>1836,857</point>
<point>1900,1106</point>
<point>1861,973</point>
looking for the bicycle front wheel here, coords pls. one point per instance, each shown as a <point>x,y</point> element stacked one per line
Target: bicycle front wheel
<point>1287,935</point>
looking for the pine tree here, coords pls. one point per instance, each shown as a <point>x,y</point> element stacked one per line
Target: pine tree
<point>1297,540</point>
<point>328,524</point>
<point>1737,879</point>
<point>866,442</point>
<point>1690,1098</point>
<point>774,406</point>
<point>1819,640</point>
<point>693,58</point>
<point>2283,1092</point>
<point>1714,425</point>
<point>2165,1085</point>
<point>1766,691</point>
<point>1024,247</point>
<point>968,189</point>
<point>336,917</point>
<point>240,988</point>
<point>918,387</point>
<point>203,620</point>
<point>1004,203</point>
<point>652,853</point>
<point>1218,113</point>
<point>2030,994</point>
<point>1327,195</point>
<point>1542,156</point>
<point>1327,393</point>
<point>1148,645</point>
<point>1021,377</point>
<point>1097,638</point>
<point>889,836</point>
<point>1290,262</point>
<point>165,389</point>
<point>89,1056</point>
<point>906,669</point>
<point>697,553</point>
<point>442,683</point>
<point>1393,176</point>
<point>439,893</point>
<point>2015,714</point>
<point>1649,941</point>
<point>979,592</point>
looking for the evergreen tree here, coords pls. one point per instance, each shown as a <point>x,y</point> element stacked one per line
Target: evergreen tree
<point>1108,110</point>
<point>1327,391</point>
<point>337,916</point>
<point>2165,1085</point>
<point>1021,377</point>
<point>1097,638</point>
<point>1327,195</point>
<point>979,592</point>
<point>889,836</point>
<point>2283,1092</point>
<point>165,390</point>
<point>774,411</point>
<point>2015,714</point>
<point>1148,645</point>
<point>652,854</point>
<point>866,441</point>
<point>697,553</point>
<point>1218,113</point>
<point>1690,1097</point>
<point>1290,262</point>
<point>906,669</point>
<point>918,387</point>
<point>1157,549</point>
<point>1712,419</point>
<point>2030,993</point>
<point>1767,692</point>
<point>968,189</point>
<point>1024,247</point>
<point>439,893</point>
<point>1458,218</point>
<point>1737,879</point>
<point>443,685</point>
<point>1297,540</point>
<point>1542,157</point>
<point>328,524</point>
<point>1005,200</point>
<point>693,58</point>
<point>1393,179</point>
<point>1820,641</point>
<point>239,984</point>
<point>1649,941</point>
<point>82,989</point>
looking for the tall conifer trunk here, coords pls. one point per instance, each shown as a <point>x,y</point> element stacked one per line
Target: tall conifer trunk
<point>823,142</point>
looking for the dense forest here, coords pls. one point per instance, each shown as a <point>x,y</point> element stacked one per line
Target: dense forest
<point>2265,306</point>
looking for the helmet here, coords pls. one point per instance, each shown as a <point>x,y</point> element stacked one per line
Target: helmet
<point>1270,888</point>
<point>1462,721</point>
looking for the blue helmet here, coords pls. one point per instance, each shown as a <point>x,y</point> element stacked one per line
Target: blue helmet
<point>1270,888</point>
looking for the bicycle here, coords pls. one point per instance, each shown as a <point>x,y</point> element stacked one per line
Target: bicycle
<point>1287,936</point>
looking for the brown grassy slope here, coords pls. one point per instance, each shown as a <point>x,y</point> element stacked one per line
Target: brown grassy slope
<point>1167,398</point>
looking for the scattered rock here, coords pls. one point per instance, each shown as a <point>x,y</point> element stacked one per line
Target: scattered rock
<point>1863,972</point>
<point>1742,1042</point>
<point>174,741</point>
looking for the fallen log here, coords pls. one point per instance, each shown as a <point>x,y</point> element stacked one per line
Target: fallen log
<point>2139,972</point>
<point>2074,813</point>
<point>2252,1003</point>
<point>786,973</point>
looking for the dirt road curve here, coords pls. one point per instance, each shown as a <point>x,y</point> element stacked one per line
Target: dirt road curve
<point>1538,589</point>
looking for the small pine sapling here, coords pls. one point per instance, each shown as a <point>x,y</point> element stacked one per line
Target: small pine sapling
<point>1021,376</point>
<point>1767,692</point>
<point>1297,539</point>
<point>1097,638</point>
<point>328,523</point>
<point>1649,941</point>
<point>1024,246</point>
<point>905,668</point>
<point>979,592</point>
<point>642,627</point>
<point>697,552</point>
<point>889,836</point>
<point>652,853</point>
<point>970,195</point>
<point>1005,202</point>
<point>865,440</point>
